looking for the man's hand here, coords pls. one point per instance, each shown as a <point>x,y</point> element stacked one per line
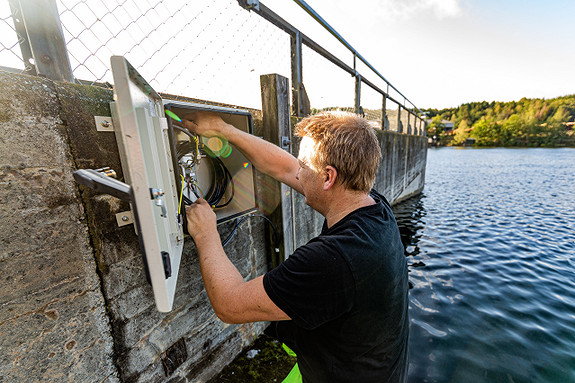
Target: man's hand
<point>202,221</point>
<point>204,123</point>
<point>265,156</point>
<point>233,299</point>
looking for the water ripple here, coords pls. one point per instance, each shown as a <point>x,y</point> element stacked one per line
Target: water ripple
<point>491,255</point>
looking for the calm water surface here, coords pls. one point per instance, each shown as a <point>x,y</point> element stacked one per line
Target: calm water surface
<point>491,249</point>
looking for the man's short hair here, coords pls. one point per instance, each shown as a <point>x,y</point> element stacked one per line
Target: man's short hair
<point>345,141</point>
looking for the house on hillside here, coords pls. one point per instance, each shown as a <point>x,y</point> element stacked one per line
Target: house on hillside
<point>447,125</point>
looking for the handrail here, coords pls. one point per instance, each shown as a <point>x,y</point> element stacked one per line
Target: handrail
<point>279,22</point>
<point>334,33</point>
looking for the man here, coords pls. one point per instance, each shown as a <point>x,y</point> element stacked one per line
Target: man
<point>340,301</point>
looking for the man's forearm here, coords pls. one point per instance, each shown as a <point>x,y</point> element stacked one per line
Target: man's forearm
<point>265,156</point>
<point>220,275</point>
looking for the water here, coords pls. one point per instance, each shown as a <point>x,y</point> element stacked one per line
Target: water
<point>491,249</point>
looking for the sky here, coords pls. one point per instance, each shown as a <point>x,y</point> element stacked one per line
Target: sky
<point>442,53</point>
<point>437,53</point>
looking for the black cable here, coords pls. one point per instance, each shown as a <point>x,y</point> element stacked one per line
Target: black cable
<point>222,176</point>
<point>275,234</point>
<point>183,148</point>
<point>229,237</point>
<point>222,179</point>
<point>186,131</point>
<point>227,180</point>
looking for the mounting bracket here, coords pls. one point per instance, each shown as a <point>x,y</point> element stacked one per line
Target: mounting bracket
<point>104,124</point>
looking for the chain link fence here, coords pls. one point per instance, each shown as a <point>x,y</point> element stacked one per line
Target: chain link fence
<point>205,49</point>
<point>10,54</point>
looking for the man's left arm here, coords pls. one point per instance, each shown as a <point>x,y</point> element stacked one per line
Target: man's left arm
<point>233,299</point>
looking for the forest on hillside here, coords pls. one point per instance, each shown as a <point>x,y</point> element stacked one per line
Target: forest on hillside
<point>527,122</point>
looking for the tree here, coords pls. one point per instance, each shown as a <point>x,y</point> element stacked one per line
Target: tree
<point>527,122</point>
<point>486,133</point>
<point>461,133</point>
<point>436,128</point>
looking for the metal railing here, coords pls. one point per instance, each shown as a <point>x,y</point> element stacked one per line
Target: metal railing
<point>195,49</point>
<point>298,91</point>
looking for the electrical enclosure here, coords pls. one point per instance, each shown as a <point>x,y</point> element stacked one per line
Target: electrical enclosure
<point>166,168</point>
<point>220,167</point>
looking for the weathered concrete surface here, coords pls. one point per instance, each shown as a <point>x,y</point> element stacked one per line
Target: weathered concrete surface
<point>75,304</point>
<point>53,324</point>
<point>142,336</point>
<point>401,173</point>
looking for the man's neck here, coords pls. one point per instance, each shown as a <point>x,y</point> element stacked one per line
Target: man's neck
<point>343,203</point>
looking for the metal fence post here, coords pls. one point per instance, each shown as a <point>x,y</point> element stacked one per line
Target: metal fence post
<point>44,47</point>
<point>358,109</point>
<point>399,126</point>
<point>300,101</point>
<point>357,87</point>
<point>296,73</point>
<point>383,113</point>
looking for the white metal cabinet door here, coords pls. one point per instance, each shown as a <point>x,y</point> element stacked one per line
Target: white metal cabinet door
<point>141,133</point>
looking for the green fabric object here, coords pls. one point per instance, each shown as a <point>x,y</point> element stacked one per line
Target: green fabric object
<point>294,375</point>
<point>288,350</point>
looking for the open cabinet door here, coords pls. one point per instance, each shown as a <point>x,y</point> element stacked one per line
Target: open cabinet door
<point>142,135</point>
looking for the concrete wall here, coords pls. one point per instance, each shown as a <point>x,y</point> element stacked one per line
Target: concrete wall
<point>53,320</point>
<point>74,302</point>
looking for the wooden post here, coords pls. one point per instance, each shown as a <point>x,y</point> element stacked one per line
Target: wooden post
<point>277,130</point>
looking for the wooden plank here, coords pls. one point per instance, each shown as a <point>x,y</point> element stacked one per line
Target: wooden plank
<point>277,130</point>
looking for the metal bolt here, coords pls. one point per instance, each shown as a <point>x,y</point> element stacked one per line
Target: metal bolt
<point>105,124</point>
<point>45,59</point>
<point>125,218</point>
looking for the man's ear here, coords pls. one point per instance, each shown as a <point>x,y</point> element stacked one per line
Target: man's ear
<point>329,177</point>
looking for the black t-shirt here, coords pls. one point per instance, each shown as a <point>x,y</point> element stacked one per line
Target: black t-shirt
<point>347,294</point>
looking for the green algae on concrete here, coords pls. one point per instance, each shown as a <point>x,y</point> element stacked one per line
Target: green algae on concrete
<point>263,361</point>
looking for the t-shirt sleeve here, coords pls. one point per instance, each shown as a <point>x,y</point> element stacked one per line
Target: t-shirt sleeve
<point>313,286</point>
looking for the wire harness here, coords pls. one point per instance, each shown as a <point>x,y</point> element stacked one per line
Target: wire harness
<point>190,154</point>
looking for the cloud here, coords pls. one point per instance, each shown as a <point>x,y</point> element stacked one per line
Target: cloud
<point>406,9</point>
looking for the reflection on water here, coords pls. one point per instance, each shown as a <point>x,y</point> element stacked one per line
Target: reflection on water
<point>491,252</point>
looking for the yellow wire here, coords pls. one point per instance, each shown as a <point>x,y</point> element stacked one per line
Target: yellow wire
<point>181,195</point>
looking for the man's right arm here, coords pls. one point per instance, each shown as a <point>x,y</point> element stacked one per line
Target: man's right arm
<point>265,156</point>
